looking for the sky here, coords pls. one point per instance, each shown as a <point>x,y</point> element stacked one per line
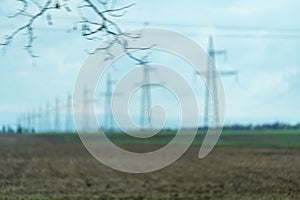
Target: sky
<point>262,40</point>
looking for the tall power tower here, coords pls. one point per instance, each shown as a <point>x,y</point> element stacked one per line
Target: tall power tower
<point>69,121</point>
<point>86,110</point>
<point>33,120</point>
<point>28,119</point>
<point>108,116</point>
<point>57,115</point>
<point>47,122</point>
<point>145,97</point>
<point>211,107</point>
<point>39,120</point>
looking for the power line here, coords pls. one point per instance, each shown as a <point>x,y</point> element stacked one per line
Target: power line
<point>216,26</point>
<point>177,24</point>
<point>243,32</point>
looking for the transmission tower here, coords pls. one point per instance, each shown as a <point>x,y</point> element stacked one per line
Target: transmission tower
<point>39,120</point>
<point>86,110</point>
<point>108,116</point>
<point>211,107</point>
<point>33,120</point>
<point>57,116</point>
<point>69,121</point>
<point>28,117</point>
<point>145,97</point>
<point>47,124</point>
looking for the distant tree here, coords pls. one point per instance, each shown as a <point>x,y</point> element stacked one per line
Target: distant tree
<point>19,130</point>
<point>3,129</point>
<point>101,26</point>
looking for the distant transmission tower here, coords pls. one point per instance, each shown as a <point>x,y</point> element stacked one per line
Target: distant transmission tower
<point>28,117</point>
<point>211,107</point>
<point>39,120</point>
<point>108,116</point>
<point>69,121</point>
<point>86,110</point>
<point>145,97</point>
<point>57,116</point>
<point>47,123</point>
<point>33,120</point>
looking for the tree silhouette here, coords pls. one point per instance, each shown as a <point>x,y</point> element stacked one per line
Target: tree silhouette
<point>102,26</point>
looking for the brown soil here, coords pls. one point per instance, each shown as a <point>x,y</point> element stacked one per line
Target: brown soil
<point>33,167</point>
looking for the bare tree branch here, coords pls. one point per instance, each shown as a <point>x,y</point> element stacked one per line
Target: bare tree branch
<point>20,11</point>
<point>101,26</point>
<point>28,27</point>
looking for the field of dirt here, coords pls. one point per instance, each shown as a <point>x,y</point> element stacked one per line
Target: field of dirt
<point>45,167</point>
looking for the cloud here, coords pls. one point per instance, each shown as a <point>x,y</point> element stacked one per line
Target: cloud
<point>267,83</point>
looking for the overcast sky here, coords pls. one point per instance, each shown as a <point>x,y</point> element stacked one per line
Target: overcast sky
<point>262,39</point>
